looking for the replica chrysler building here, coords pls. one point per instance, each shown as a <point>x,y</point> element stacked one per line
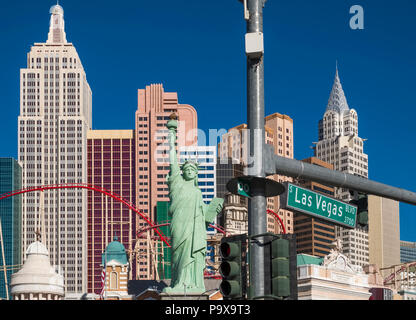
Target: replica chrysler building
<point>55,115</point>
<point>340,145</point>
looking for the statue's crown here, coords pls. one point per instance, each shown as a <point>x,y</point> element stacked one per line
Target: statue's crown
<point>188,163</point>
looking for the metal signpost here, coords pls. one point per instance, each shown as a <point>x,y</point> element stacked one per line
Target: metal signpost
<point>310,172</point>
<point>265,162</point>
<point>257,223</point>
<point>318,205</point>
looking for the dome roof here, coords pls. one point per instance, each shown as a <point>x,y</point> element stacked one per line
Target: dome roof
<point>115,251</point>
<point>37,275</point>
<point>37,248</point>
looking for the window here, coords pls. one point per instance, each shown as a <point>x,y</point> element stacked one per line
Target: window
<point>113,280</point>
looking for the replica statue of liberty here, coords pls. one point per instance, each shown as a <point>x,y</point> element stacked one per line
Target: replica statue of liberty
<point>190,217</point>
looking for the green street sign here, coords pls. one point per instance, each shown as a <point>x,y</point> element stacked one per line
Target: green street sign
<point>318,205</point>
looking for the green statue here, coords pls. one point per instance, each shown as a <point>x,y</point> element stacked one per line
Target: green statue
<point>190,217</point>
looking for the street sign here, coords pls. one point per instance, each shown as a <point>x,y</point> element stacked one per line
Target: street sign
<point>318,205</point>
<point>248,186</point>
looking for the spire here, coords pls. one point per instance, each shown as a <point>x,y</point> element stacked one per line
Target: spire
<point>57,25</point>
<point>337,100</point>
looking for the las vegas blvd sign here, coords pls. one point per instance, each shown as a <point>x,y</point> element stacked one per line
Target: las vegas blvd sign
<point>318,205</point>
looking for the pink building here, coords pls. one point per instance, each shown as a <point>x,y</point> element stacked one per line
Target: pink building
<point>152,165</point>
<point>111,161</point>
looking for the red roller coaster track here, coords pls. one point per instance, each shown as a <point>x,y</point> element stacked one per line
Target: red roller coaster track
<point>88,187</point>
<point>121,200</point>
<point>118,198</point>
<point>278,219</point>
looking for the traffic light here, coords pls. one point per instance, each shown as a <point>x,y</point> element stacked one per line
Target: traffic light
<point>362,209</point>
<point>281,266</point>
<point>233,267</point>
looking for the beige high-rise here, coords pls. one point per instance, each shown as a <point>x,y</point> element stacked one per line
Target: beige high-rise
<point>384,231</point>
<point>279,133</point>
<point>55,115</point>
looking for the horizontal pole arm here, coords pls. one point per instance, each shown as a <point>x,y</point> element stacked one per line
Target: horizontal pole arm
<point>302,170</point>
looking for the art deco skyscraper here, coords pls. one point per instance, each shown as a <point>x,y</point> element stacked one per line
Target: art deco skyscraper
<point>55,115</point>
<point>340,145</point>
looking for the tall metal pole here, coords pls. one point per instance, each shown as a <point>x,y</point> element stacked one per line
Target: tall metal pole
<point>257,223</point>
<point>4,262</point>
<point>301,170</point>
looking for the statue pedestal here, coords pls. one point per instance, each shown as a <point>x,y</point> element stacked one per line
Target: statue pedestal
<point>181,296</point>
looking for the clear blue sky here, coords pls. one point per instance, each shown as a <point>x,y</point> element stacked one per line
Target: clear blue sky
<point>196,48</point>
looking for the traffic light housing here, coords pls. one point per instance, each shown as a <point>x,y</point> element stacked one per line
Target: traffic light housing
<point>233,267</point>
<point>281,264</point>
<point>362,209</point>
<point>280,272</point>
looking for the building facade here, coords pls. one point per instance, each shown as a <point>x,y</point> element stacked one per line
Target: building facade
<point>383,232</point>
<point>313,235</point>
<point>340,145</point>
<point>279,134</point>
<point>333,277</point>
<point>152,159</point>
<point>111,166</point>
<point>234,216</point>
<point>401,278</point>
<point>11,222</point>
<point>407,251</point>
<point>55,115</point>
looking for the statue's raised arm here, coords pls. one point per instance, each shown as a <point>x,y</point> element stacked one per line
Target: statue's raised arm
<point>172,126</point>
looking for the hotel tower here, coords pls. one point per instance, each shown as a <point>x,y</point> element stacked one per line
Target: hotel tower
<point>340,146</point>
<point>55,116</point>
<point>234,148</point>
<point>154,107</point>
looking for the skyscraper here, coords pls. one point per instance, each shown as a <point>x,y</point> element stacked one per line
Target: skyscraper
<point>152,160</point>
<point>340,145</point>
<point>111,161</point>
<point>383,231</point>
<point>55,115</point>
<point>11,221</point>
<point>407,251</point>
<point>279,133</point>
<point>234,216</point>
